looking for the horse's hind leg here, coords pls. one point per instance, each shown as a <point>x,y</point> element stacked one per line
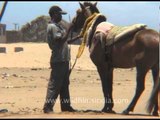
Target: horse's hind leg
<point>141,73</point>
<point>155,73</point>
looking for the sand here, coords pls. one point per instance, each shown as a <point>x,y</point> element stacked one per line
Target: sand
<point>24,77</point>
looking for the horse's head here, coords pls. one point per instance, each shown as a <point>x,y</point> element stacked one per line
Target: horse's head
<point>89,8</point>
<point>86,10</point>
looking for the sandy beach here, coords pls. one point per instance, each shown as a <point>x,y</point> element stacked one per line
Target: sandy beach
<point>24,77</point>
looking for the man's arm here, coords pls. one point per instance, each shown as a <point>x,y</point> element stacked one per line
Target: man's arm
<point>69,41</point>
<point>50,37</point>
<point>53,35</point>
<point>64,38</point>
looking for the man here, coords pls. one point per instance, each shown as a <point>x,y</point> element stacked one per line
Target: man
<point>59,78</point>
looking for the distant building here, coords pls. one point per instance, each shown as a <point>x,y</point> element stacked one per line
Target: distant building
<point>3,33</point>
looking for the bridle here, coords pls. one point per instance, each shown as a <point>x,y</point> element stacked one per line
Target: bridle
<point>88,11</point>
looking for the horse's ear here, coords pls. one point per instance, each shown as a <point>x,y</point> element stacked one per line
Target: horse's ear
<point>95,4</point>
<point>81,5</point>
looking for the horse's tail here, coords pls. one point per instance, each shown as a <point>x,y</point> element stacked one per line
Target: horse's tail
<point>151,101</point>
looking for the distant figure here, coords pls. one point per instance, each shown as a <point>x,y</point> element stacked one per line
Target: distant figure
<point>59,77</point>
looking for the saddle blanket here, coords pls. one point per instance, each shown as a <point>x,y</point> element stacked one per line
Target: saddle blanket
<point>104,27</point>
<point>114,33</point>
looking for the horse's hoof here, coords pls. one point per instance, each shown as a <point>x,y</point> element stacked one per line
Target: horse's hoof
<point>108,111</point>
<point>125,112</point>
<point>155,114</point>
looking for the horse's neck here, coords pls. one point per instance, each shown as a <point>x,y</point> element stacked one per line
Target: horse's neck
<point>100,18</point>
<point>89,22</point>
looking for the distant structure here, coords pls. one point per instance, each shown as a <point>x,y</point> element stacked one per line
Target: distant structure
<point>3,26</point>
<point>3,33</point>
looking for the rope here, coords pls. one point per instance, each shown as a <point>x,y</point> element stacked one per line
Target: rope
<point>70,68</point>
<point>84,34</point>
<point>73,66</point>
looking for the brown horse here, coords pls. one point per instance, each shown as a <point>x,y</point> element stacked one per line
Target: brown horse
<point>139,49</point>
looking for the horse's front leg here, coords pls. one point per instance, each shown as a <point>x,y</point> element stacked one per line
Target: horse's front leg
<point>106,75</point>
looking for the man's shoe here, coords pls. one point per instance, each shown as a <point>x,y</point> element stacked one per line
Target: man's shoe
<point>68,109</point>
<point>47,110</point>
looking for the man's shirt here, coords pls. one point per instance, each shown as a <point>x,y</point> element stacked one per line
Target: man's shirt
<point>60,49</point>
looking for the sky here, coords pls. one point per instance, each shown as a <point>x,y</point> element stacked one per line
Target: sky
<point>118,13</point>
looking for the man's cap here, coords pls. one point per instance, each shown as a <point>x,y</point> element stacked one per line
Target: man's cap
<point>56,9</point>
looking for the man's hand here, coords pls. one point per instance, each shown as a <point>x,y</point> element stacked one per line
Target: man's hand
<point>64,38</point>
<point>73,39</point>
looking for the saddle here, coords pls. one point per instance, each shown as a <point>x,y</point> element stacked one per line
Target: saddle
<point>117,32</point>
